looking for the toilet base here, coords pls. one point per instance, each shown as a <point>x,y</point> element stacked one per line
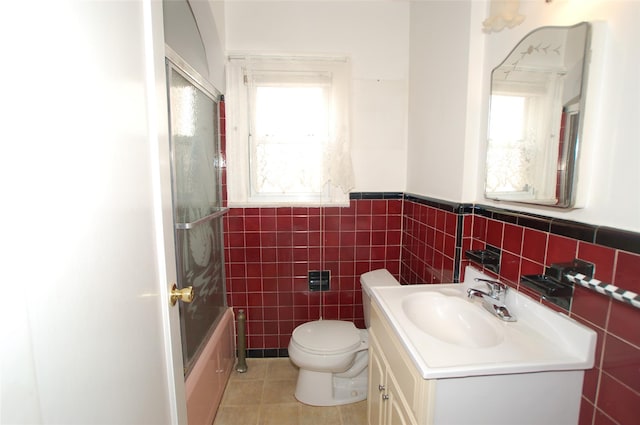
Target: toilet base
<point>351,390</point>
<point>325,389</point>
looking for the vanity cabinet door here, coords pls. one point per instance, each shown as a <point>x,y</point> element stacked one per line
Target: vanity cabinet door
<point>375,405</point>
<point>406,397</point>
<point>385,404</point>
<point>398,413</point>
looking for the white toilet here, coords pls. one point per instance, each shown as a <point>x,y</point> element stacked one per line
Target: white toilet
<point>332,354</point>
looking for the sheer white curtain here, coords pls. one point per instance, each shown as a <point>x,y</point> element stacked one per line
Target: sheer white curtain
<point>288,131</point>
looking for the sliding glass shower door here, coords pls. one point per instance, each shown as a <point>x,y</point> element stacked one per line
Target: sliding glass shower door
<point>197,205</point>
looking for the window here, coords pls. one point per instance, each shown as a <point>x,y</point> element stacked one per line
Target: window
<point>521,128</point>
<point>287,132</point>
<point>512,151</point>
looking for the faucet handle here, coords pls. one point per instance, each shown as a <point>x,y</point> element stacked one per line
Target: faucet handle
<point>495,287</point>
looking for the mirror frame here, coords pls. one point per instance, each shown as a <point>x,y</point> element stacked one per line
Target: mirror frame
<point>567,162</point>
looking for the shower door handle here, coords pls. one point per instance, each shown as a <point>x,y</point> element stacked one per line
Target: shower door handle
<point>184,294</point>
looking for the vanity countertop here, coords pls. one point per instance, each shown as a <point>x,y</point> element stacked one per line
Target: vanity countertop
<point>448,335</point>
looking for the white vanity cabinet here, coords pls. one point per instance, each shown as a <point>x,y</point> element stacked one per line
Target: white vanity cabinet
<point>397,393</point>
<point>386,405</point>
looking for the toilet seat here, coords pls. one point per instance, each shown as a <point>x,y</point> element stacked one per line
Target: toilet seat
<point>327,337</point>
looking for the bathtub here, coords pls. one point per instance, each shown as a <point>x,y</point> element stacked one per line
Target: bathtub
<point>205,383</point>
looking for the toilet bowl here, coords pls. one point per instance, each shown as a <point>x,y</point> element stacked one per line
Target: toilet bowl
<point>326,351</point>
<point>333,354</point>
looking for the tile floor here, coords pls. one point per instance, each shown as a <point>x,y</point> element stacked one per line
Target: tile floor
<point>264,395</point>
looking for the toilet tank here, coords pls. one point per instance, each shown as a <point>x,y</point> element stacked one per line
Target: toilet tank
<point>380,277</point>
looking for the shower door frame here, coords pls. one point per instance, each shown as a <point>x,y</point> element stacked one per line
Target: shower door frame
<point>175,63</point>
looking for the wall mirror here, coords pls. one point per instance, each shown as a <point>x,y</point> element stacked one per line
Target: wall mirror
<point>535,117</point>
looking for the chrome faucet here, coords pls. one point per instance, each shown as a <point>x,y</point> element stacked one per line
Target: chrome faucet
<point>497,290</point>
<point>494,300</point>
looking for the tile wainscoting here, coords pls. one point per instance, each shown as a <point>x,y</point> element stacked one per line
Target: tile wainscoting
<point>270,250</point>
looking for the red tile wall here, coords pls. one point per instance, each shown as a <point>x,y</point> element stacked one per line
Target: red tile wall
<point>429,244</point>
<point>611,392</point>
<point>269,252</point>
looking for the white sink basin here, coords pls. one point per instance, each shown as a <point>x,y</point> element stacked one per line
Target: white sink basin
<point>449,335</point>
<point>452,319</point>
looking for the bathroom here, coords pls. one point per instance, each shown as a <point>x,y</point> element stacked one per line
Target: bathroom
<point>444,85</point>
<point>420,83</point>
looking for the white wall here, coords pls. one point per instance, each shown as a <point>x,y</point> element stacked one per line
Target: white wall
<point>610,173</point>
<point>195,30</point>
<point>375,35</point>
<point>439,58</point>
<point>182,35</point>
<point>209,17</point>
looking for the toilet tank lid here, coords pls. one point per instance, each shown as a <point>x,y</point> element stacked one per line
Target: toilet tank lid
<point>327,336</point>
<point>380,277</point>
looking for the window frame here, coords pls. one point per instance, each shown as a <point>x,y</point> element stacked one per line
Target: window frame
<point>241,70</point>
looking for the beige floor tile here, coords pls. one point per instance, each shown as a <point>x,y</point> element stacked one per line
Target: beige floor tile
<point>279,391</point>
<point>279,414</point>
<point>237,415</point>
<point>312,415</point>
<point>354,414</point>
<point>281,368</point>
<point>264,395</point>
<point>256,369</point>
<point>243,393</point>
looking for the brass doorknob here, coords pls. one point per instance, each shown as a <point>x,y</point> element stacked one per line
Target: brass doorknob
<point>184,294</point>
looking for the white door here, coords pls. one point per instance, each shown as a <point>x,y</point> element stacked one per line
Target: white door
<point>87,334</point>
